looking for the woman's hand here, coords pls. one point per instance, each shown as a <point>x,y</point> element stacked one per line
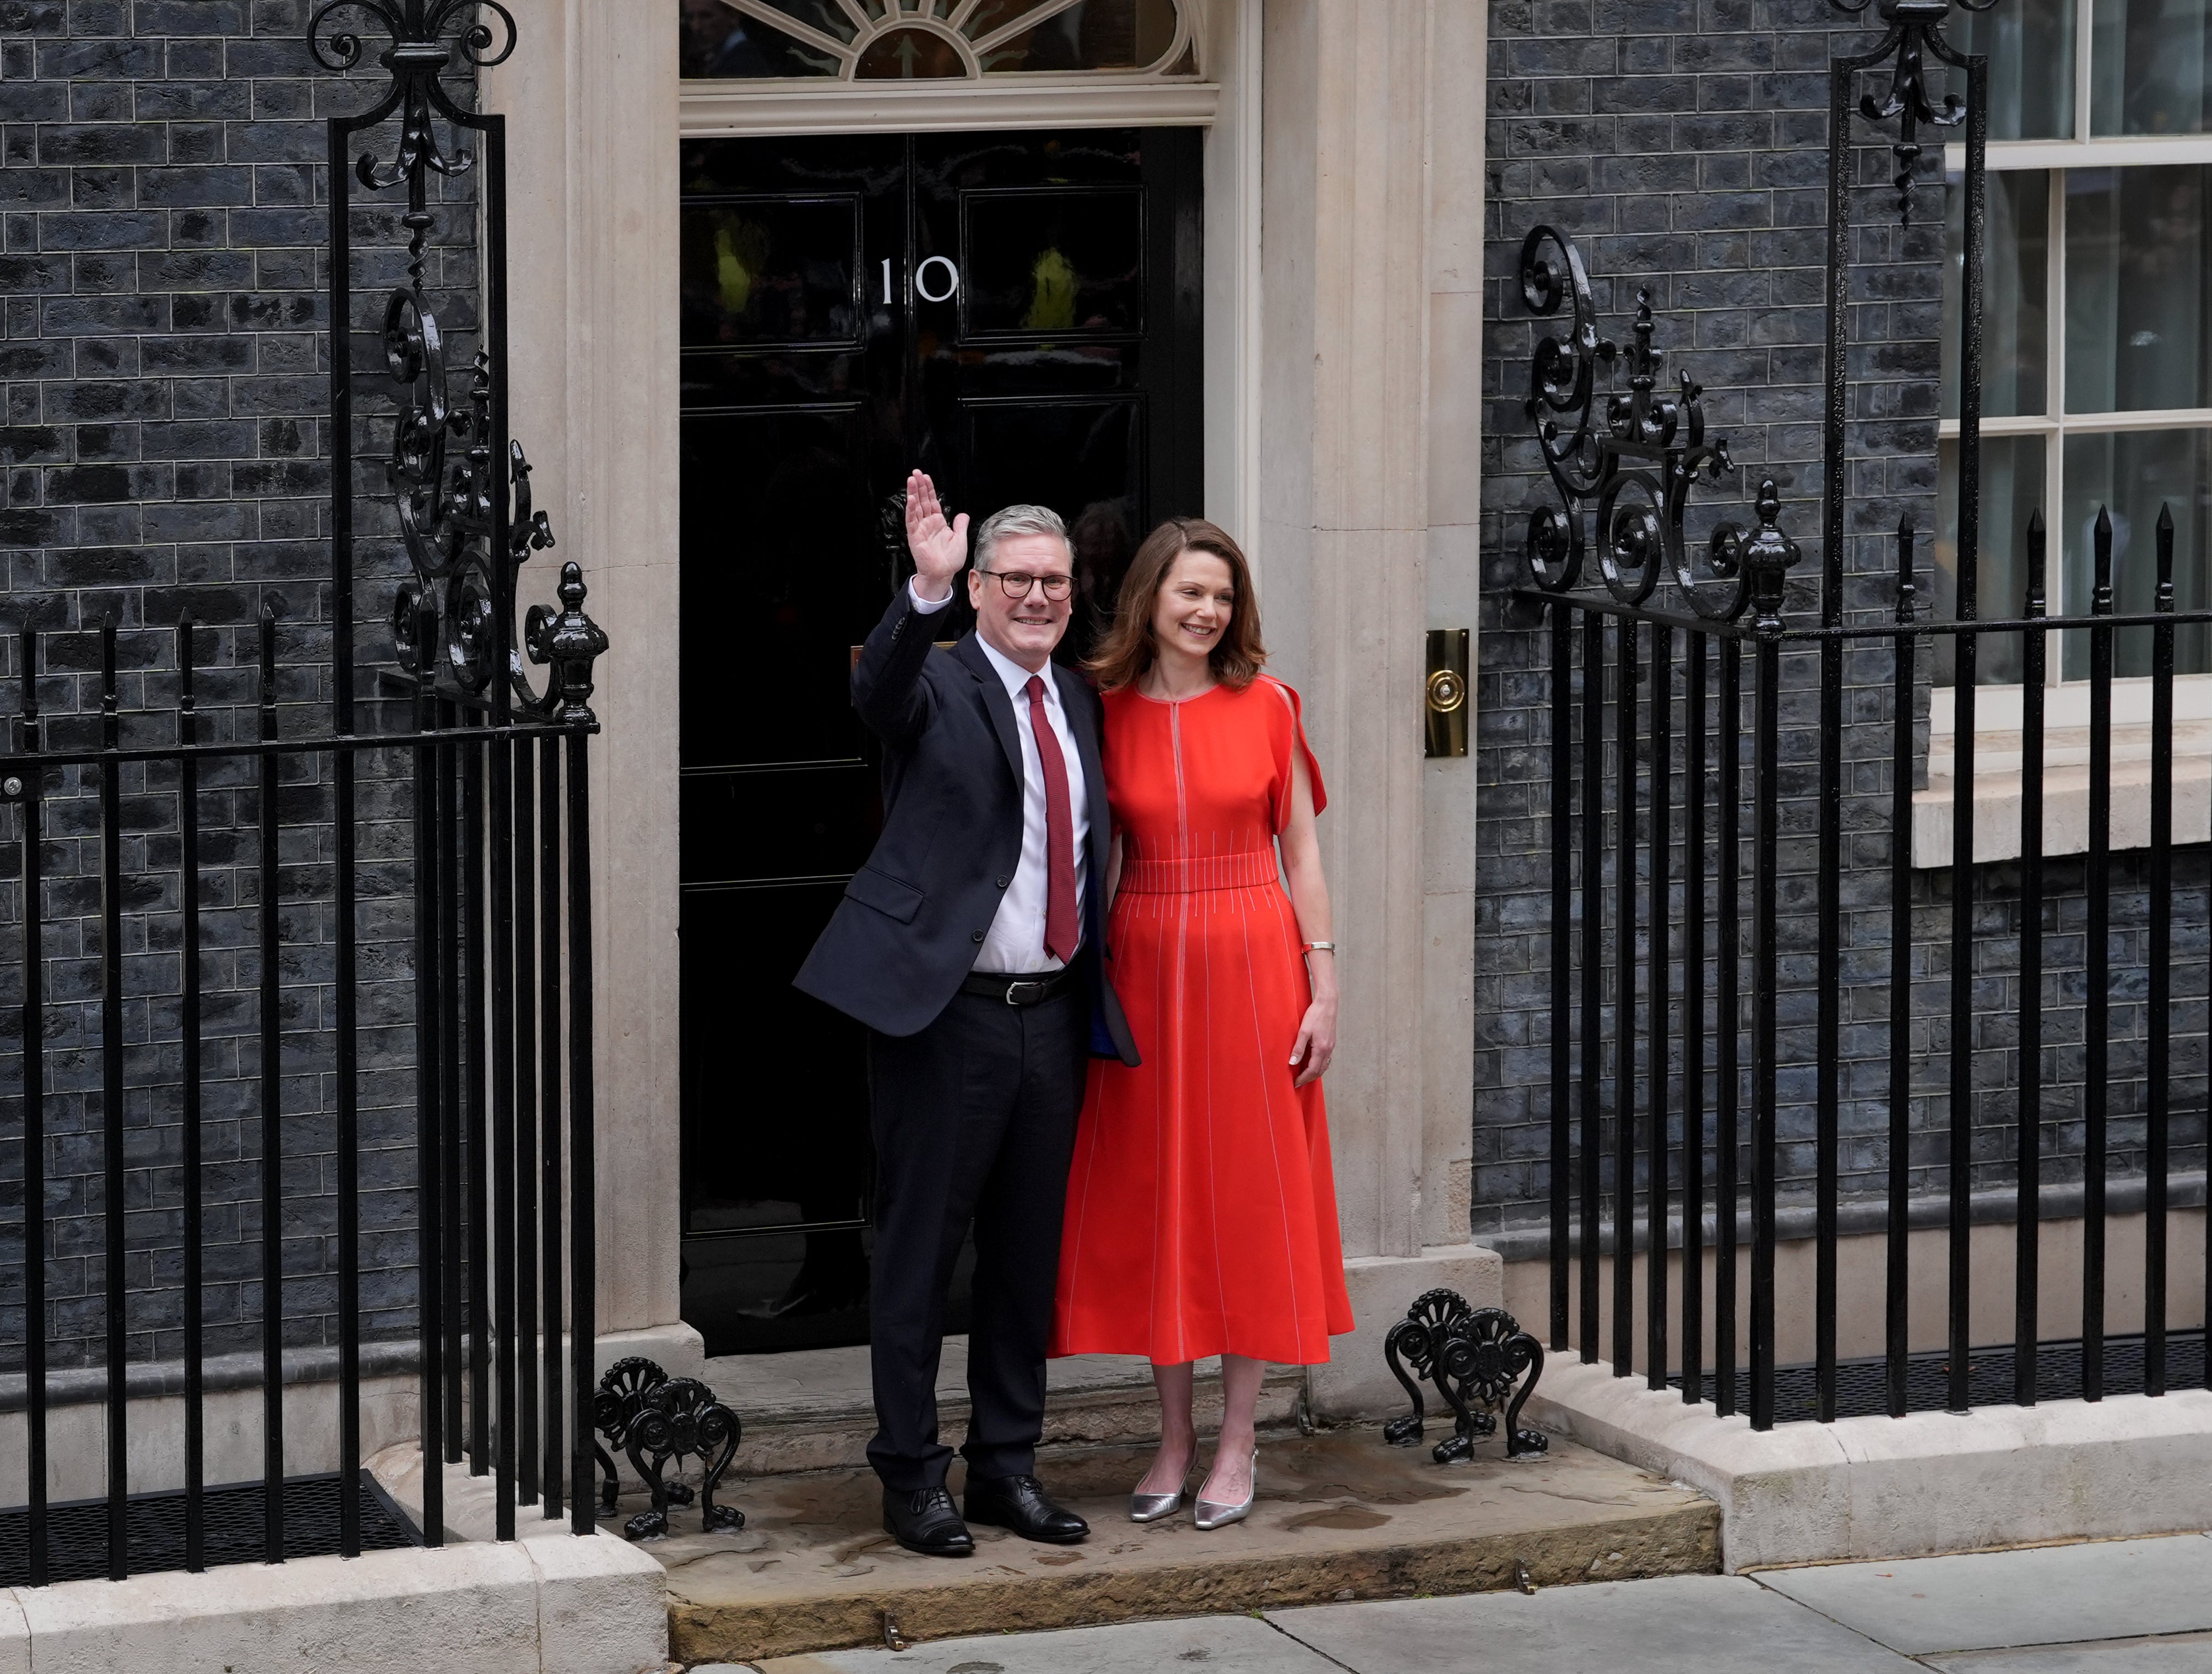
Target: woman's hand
<point>1316,1042</point>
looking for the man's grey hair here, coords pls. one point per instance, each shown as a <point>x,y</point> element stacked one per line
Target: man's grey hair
<point>1017,520</point>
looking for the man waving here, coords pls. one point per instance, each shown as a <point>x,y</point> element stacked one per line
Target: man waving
<point>970,945</point>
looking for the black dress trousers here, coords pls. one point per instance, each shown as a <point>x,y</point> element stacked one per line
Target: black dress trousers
<point>974,1119</point>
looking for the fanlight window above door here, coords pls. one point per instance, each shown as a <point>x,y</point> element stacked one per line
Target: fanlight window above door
<point>939,40</point>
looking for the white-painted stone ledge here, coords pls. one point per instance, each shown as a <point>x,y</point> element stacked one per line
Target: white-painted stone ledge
<point>551,1603</point>
<point>1886,1488</point>
<point>1999,785</point>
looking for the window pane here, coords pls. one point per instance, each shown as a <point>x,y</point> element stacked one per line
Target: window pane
<point>2135,289</point>
<point>2012,490</point>
<point>2134,475</point>
<point>910,55</point>
<point>2148,63</point>
<point>719,41</point>
<point>2031,53</point>
<point>2016,245</point>
<point>1091,34</point>
<point>823,15</point>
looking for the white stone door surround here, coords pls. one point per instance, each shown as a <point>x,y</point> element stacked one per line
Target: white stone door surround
<point>1343,324</point>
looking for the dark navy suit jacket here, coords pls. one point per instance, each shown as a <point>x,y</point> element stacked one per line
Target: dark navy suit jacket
<point>905,936</point>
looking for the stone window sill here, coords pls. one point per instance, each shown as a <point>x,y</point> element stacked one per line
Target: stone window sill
<point>1998,743</point>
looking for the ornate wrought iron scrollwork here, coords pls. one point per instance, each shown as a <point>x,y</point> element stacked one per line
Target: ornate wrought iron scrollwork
<point>615,1407</point>
<point>459,487</point>
<point>413,25</point>
<point>1636,468</point>
<point>1480,1360</point>
<point>678,1420</point>
<point>657,1421</point>
<point>1914,31</point>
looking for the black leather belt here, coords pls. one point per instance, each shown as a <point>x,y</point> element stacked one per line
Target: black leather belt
<point>1034,989</point>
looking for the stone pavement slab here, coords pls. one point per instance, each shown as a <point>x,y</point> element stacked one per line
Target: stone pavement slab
<point>2185,1654</point>
<point>2171,1655</point>
<point>1340,1516</point>
<point>1199,1645</point>
<point>1686,1624</point>
<point>2054,1595</point>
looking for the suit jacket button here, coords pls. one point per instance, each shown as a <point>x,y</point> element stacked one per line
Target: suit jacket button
<point>976,935</point>
<point>1004,881</point>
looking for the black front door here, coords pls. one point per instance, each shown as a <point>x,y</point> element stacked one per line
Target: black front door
<point>1017,313</point>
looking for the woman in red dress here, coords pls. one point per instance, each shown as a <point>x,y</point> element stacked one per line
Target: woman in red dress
<point>1201,1212</point>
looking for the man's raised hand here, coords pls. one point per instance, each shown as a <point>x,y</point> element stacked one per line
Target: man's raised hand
<point>940,549</point>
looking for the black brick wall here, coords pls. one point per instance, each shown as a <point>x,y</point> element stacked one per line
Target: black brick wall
<point>1681,143</point>
<point>166,453</point>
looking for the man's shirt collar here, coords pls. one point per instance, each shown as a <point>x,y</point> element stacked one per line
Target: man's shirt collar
<point>1016,676</point>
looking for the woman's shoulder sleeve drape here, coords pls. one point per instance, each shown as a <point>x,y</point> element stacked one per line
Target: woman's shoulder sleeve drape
<point>1287,731</point>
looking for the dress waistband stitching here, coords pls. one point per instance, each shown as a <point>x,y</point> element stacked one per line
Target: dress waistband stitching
<point>1247,869</point>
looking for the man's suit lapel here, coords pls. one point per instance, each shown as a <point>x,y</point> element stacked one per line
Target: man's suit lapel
<point>996,704</point>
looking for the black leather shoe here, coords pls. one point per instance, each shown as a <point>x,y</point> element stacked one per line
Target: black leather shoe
<point>924,1521</point>
<point>1019,1503</point>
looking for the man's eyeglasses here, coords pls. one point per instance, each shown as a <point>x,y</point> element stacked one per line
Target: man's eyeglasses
<point>1017,585</point>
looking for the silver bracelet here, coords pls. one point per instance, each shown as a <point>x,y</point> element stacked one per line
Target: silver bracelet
<point>1320,947</point>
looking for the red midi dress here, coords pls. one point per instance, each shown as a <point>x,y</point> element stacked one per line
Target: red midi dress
<point>1201,1209</point>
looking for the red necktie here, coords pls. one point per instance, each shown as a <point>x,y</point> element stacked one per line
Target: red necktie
<point>1059,931</point>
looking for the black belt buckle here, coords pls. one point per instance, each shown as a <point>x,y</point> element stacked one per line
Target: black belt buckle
<point>1042,992</point>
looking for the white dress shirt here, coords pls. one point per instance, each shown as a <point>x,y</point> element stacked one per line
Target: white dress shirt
<point>1015,942</point>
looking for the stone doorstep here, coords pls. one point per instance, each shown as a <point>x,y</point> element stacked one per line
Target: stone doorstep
<point>813,1410</point>
<point>1895,1488</point>
<point>1341,1515</point>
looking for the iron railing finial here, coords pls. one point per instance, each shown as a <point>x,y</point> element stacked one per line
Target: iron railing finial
<point>1768,557</point>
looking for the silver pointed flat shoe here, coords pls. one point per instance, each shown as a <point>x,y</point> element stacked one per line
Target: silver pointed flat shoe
<point>1150,1508</point>
<point>1211,1514</point>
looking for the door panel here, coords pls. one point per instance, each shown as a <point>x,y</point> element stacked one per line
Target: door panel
<point>743,825</point>
<point>784,569</point>
<point>761,272</point>
<point>1016,313</point>
<point>1053,262</point>
<point>1084,453</point>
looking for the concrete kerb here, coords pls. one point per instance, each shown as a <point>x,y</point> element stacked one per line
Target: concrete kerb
<point>1889,1488</point>
<point>551,1603</point>
<point>602,1604</point>
<point>472,1607</point>
<point>15,1636</point>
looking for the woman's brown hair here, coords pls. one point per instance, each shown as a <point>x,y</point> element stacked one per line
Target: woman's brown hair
<point>1125,650</point>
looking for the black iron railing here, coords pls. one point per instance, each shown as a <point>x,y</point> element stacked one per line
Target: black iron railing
<point>448,755</point>
<point>1656,897</point>
<point>1656,909</point>
<point>491,768</point>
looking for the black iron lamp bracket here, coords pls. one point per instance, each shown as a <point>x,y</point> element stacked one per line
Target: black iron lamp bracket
<point>458,483</point>
<point>1633,463</point>
<point>1913,33</point>
<point>1480,1361</point>
<point>659,1421</point>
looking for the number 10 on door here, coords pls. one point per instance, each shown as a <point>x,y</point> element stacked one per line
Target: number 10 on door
<point>949,281</point>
